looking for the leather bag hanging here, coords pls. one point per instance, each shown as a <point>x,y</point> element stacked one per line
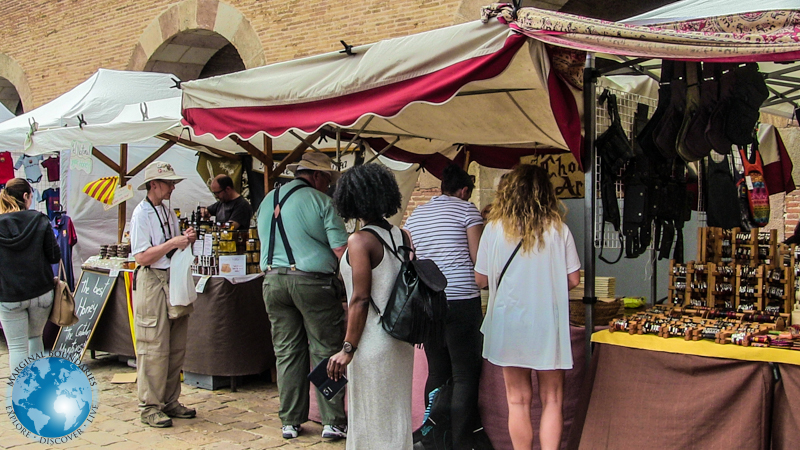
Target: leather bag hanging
<point>666,132</point>
<point>63,312</point>
<point>694,141</point>
<point>722,203</point>
<point>693,95</point>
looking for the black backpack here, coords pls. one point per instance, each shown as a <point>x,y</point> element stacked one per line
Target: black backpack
<point>417,307</point>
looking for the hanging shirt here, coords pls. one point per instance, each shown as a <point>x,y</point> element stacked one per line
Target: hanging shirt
<point>31,164</point>
<point>37,197</point>
<point>52,197</point>
<point>66,239</point>
<point>53,168</point>
<point>6,167</point>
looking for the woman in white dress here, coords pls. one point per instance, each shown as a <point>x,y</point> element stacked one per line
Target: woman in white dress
<point>379,367</point>
<point>526,327</point>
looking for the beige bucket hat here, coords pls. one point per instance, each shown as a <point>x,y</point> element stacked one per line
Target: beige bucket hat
<point>316,161</point>
<point>159,170</point>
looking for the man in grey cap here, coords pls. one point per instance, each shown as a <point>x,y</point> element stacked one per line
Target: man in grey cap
<point>302,239</point>
<point>159,326</point>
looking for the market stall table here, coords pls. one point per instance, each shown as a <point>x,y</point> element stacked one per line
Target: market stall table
<point>671,393</point>
<point>229,332</point>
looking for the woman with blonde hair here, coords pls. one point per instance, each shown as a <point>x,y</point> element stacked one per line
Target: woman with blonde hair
<point>527,258</point>
<point>28,247</point>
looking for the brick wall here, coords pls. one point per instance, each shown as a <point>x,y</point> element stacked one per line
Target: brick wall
<point>792,215</point>
<point>60,43</point>
<point>420,196</point>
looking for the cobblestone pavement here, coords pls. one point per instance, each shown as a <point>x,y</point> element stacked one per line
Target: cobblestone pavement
<point>246,419</point>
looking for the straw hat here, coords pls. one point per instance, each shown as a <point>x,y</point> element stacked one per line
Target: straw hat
<point>315,161</point>
<point>159,170</point>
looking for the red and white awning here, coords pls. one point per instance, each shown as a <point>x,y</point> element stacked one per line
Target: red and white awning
<point>473,83</point>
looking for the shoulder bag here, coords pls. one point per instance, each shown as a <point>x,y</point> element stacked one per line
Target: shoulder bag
<point>63,312</point>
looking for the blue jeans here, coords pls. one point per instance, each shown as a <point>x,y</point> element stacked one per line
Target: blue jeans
<point>23,323</point>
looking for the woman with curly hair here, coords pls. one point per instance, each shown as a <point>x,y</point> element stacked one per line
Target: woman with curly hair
<point>527,258</point>
<point>379,367</point>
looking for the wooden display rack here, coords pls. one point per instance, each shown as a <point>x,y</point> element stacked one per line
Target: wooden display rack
<point>679,290</point>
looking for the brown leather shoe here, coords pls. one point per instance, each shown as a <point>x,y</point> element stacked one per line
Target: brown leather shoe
<point>157,419</point>
<point>181,412</point>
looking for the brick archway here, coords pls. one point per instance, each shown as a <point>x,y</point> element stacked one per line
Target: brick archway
<point>208,17</point>
<point>11,73</point>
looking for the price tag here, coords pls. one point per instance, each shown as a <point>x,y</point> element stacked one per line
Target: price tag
<point>749,183</point>
<point>201,284</point>
<point>114,273</point>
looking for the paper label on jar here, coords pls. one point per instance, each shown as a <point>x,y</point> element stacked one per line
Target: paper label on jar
<point>208,242</point>
<point>200,287</point>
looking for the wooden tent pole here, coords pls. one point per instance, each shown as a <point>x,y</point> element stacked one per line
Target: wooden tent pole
<point>123,174</point>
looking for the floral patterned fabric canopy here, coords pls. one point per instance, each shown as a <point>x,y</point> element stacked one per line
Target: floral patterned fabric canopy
<point>746,37</point>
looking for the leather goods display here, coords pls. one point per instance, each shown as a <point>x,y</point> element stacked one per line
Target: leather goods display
<point>693,76</point>
<point>753,180</point>
<point>695,144</point>
<point>63,312</point>
<point>614,151</point>
<point>742,90</point>
<point>417,307</point>
<point>637,218</point>
<point>667,129</point>
<point>722,203</point>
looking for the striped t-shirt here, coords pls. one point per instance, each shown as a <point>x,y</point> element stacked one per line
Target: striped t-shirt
<point>439,232</point>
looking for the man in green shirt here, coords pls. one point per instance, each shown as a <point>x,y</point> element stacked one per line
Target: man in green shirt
<point>302,240</point>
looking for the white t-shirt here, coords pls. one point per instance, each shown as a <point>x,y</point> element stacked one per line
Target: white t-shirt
<point>527,320</point>
<point>439,233</point>
<point>147,230</point>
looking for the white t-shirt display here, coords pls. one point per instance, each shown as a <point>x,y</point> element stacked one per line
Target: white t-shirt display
<point>147,230</point>
<point>527,320</point>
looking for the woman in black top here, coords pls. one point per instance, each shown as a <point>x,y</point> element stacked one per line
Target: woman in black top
<point>28,247</point>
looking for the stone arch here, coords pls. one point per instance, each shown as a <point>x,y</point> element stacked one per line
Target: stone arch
<point>209,24</point>
<point>15,91</point>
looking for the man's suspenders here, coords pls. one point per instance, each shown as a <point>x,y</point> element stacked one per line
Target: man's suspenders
<point>278,219</point>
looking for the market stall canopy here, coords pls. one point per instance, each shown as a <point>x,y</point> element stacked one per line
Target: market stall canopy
<point>473,83</point>
<point>767,32</point>
<point>97,100</point>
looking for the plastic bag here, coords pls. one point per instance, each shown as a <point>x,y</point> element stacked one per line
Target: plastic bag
<point>181,283</point>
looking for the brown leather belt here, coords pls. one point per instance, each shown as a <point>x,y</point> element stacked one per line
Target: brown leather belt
<point>295,272</point>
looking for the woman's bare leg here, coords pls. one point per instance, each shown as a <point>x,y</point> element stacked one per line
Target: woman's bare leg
<point>551,393</point>
<point>519,394</point>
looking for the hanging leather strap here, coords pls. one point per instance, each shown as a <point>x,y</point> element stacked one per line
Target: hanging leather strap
<point>503,272</point>
<point>277,219</point>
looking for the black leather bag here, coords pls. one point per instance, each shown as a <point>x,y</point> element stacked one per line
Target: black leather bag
<point>417,307</point>
<point>722,201</point>
<point>613,145</point>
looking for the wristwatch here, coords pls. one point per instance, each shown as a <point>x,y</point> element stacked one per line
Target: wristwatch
<point>348,347</point>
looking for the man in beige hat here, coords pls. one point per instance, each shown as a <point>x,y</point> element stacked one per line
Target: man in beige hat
<point>302,239</point>
<point>160,328</point>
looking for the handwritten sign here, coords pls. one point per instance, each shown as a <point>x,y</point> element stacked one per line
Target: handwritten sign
<point>80,157</point>
<point>564,174</point>
<point>91,294</point>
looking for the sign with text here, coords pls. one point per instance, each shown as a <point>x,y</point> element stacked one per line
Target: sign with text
<point>564,173</point>
<point>91,294</point>
<point>80,157</point>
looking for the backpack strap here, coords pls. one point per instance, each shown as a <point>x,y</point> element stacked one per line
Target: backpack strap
<point>277,219</point>
<point>503,272</point>
<point>394,250</point>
